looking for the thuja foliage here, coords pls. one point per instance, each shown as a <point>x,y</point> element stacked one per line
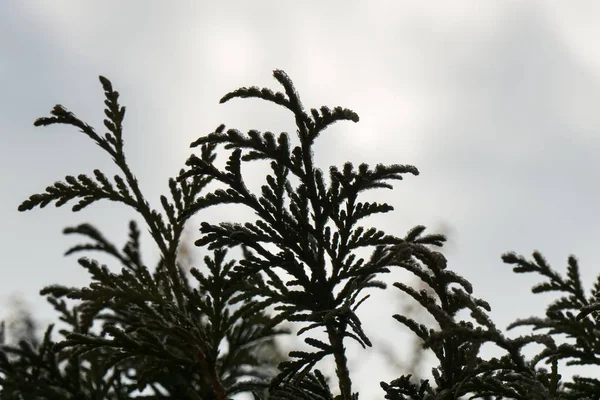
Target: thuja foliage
<point>166,333</point>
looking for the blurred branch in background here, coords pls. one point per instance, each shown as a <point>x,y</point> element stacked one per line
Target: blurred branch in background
<point>414,357</point>
<point>20,323</point>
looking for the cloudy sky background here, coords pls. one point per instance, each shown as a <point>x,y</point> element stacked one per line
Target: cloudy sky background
<point>495,102</point>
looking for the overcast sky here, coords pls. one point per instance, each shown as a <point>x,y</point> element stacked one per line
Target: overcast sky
<point>495,102</point>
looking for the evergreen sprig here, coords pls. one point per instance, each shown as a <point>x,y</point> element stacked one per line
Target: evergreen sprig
<point>570,317</point>
<point>292,217</point>
<point>209,332</point>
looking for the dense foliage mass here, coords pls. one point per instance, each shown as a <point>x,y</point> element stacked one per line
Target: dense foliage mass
<point>209,333</point>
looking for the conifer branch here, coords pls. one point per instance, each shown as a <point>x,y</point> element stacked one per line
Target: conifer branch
<point>202,335</point>
<point>286,210</point>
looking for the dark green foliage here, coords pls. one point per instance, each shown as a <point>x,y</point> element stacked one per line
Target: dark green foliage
<point>164,333</point>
